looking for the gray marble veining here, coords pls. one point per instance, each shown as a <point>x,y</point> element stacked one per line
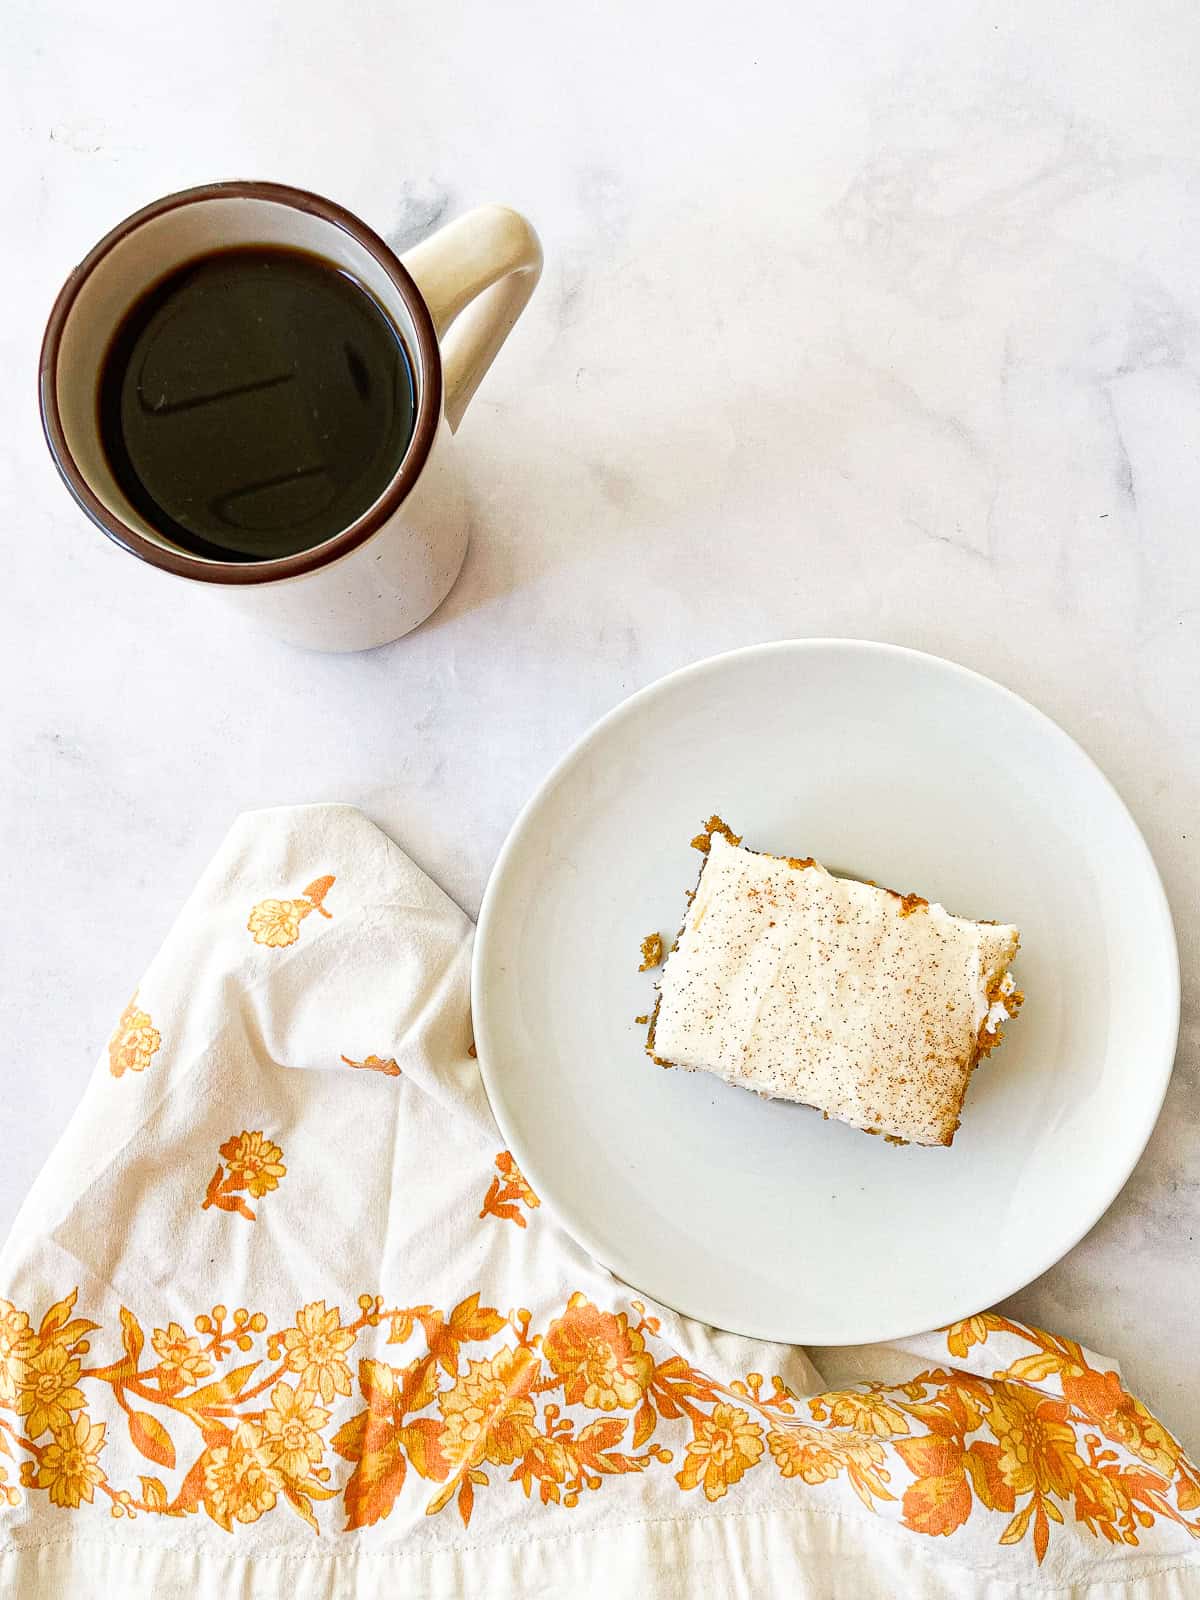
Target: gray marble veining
<point>857,319</point>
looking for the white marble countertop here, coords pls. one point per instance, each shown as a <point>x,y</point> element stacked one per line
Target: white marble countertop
<point>869,319</point>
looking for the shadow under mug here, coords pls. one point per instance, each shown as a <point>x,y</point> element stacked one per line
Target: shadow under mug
<point>394,565</point>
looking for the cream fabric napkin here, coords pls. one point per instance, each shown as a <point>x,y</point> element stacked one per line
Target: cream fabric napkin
<point>281,1315</point>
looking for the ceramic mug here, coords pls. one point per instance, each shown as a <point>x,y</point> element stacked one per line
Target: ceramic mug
<point>453,299</point>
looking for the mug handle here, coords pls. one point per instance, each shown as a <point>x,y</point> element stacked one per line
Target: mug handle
<point>478,273</point>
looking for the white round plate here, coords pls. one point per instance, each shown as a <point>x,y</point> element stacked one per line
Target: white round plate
<point>755,1215</point>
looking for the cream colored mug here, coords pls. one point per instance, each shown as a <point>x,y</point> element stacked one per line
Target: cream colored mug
<point>453,299</point>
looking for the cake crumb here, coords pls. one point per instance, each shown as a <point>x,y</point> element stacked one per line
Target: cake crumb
<point>652,952</point>
<point>1013,1001</point>
<point>715,824</point>
<point>908,902</point>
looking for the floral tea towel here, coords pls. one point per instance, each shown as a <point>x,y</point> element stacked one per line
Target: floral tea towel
<point>281,1316</point>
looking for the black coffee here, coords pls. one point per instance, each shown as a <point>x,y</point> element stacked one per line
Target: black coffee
<point>255,402</point>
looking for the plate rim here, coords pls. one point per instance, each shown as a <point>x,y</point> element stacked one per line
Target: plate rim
<point>1171,975</point>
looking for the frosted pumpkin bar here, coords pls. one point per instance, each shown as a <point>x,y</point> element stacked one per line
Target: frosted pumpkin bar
<point>873,1007</point>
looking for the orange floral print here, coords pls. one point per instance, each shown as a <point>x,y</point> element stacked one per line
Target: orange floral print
<point>721,1450</point>
<point>276,923</point>
<point>181,1360</point>
<point>315,1347</point>
<point>239,1484</point>
<point>383,1442</point>
<point>946,1467</point>
<point>870,1412</point>
<point>254,1163</point>
<point>1037,1457</point>
<point>560,1412</point>
<point>508,1192</point>
<point>376,1064</point>
<point>973,1330</point>
<point>818,1455</point>
<point>69,1467</point>
<point>805,1453</point>
<point>1100,1397</point>
<point>17,1343</point>
<point>291,1431</point>
<point>602,1361</point>
<point>47,1392</point>
<point>488,1413</point>
<point>134,1043</point>
<point>1037,1448</point>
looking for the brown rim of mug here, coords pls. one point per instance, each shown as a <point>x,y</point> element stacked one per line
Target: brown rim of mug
<point>428,413</point>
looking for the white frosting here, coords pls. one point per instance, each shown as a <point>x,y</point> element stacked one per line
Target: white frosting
<point>998,1013</point>
<point>808,987</point>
